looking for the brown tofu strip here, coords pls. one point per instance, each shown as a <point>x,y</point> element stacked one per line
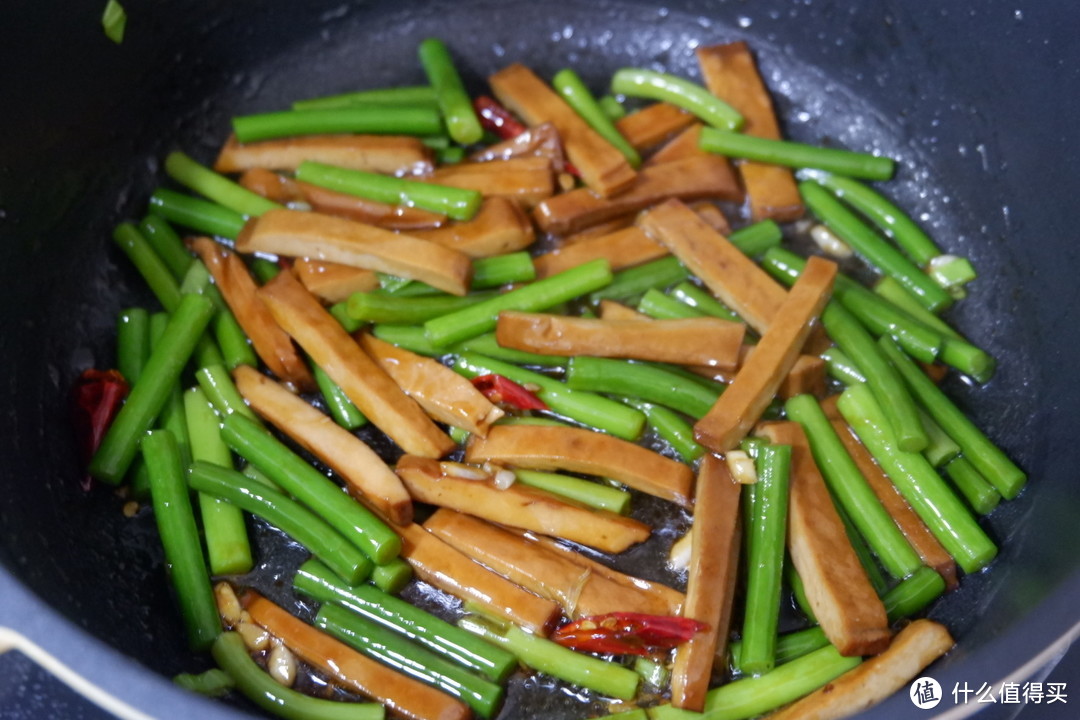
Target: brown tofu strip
<point>913,649</point>
<point>687,341</point>
<point>604,228</point>
<point>441,392</point>
<point>662,600</point>
<point>712,215</point>
<point>512,556</point>
<point>704,177</point>
<point>372,391</point>
<point>282,189</point>
<point>271,185</point>
<point>681,147</point>
<point>389,154</point>
<point>771,192</point>
<point>611,310</point>
<point>622,249</point>
<point>756,383</point>
<point>653,124</point>
<point>844,601</point>
<point>710,588</point>
<point>519,506</point>
<point>331,282</point>
<point>829,407</point>
<point>366,476</point>
<point>451,571</point>
<point>499,226</point>
<point>526,180</point>
<point>539,141</point>
<point>584,451</point>
<point>734,278</point>
<point>402,695</point>
<point>271,343</point>
<point>322,237</point>
<point>717,374</point>
<point>372,212</point>
<point>926,545</point>
<point>602,167</point>
<point>807,377</point>
<point>552,575</point>
<point>730,73</point>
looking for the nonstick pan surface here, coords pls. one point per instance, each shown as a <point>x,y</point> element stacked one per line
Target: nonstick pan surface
<point>976,103</point>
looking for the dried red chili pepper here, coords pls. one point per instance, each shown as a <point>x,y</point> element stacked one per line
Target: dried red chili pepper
<point>97,397</point>
<point>497,119</point>
<point>627,633</point>
<point>501,389</point>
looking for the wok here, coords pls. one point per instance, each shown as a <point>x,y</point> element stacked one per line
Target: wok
<point>978,103</point>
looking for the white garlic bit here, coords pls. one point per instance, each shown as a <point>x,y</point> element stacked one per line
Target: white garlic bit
<point>255,636</point>
<point>830,244</point>
<point>741,466</point>
<point>281,664</point>
<point>504,479</point>
<point>227,603</point>
<point>679,555</point>
<point>465,472</point>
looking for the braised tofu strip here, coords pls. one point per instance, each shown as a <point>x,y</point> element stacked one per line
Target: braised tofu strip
<point>439,564</point>
<point>499,226</point>
<point>402,694</point>
<point>526,180</point>
<point>273,344</point>
<point>915,647</point>
<point>393,155</point>
<point>691,341</point>
<point>371,389</point>
<point>331,282</point>
<point>729,71</point>
<point>844,602</point>
<point>444,395</point>
<point>914,529</point>
<point>367,477</point>
<point>710,588</point>
<point>602,167</point>
<point>756,383</point>
<point>576,587</point>
<point>584,451</point>
<point>653,124</point>
<point>663,600</point>
<point>703,177</point>
<point>322,237</point>
<point>734,278</point>
<point>464,489</point>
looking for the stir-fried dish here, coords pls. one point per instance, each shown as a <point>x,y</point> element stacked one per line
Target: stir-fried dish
<point>485,345</point>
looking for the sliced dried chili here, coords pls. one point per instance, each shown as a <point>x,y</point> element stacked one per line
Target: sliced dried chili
<point>627,633</point>
<point>97,397</point>
<point>497,119</point>
<point>501,389</point>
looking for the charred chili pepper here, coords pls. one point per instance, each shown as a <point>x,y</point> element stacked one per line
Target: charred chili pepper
<point>501,389</point>
<point>97,397</point>
<point>627,633</point>
<point>497,119</point>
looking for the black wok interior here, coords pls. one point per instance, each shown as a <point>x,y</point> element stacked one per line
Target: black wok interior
<point>978,105</point>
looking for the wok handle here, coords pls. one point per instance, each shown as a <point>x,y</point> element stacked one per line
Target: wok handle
<point>21,609</point>
<point>11,640</point>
